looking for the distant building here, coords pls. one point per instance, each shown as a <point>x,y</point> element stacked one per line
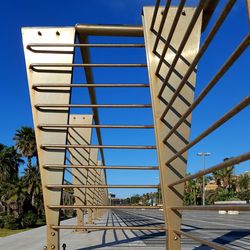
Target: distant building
<point>211,185</point>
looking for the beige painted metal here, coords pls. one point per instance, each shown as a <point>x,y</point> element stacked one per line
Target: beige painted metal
<point>52,116</point>
<point>93,161</point>
<point>80,156</point>
<point>248,9</point>
<point>171,196</point>
<point>91,181</point>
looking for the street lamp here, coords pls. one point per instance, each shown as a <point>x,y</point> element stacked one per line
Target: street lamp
<point>203,154</point>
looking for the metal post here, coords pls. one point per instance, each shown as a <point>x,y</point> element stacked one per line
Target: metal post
<point>80,156</point>
<point>171,196</point>
<point>204,154</point>
<point>57,115</point>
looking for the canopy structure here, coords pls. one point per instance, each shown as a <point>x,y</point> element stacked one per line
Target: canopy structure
<point>64,133</point>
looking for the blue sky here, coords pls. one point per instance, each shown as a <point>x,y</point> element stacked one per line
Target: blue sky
<point>230,140</point>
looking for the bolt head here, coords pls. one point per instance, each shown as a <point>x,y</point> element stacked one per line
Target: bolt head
<point>53,247</point>
<point>53,233</point>
<point>175,238</point>
<point>45,248</point>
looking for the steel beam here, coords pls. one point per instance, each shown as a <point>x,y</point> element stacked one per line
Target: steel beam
<point>80,156</point>
<point>50,35</point>
<point>172,197</point>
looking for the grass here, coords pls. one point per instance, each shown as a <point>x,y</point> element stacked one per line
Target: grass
<point>6,232</point>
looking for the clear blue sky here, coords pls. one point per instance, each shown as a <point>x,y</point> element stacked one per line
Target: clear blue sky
<point>230,140</point>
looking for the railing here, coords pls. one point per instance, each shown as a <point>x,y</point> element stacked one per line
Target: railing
<point>47,89</point>
<point>61,148</point>
<point>156,28</point>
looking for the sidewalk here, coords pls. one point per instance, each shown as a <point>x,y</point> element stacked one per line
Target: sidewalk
<point>34,239</point>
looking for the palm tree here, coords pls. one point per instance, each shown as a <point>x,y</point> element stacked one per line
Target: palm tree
<point>13,196</point>
<point>224,177</point>
<point>244,181</point>
<point>26,143</point>
<point>32,181</point>
<point>10,160</point>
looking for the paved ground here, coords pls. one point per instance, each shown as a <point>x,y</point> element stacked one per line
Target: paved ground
<point>229,230</point>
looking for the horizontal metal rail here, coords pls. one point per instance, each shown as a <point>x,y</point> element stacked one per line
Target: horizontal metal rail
<point>55,166</point>
<point>77,65</point>
<point>228,163</point>
<point>170,35</point>
<point>243,104</point>
<point>93,106</point>
<point>215,208</point>
<point>43,146</point>
<point>202,241</point>
<point>183,43</point>
<point>88,45</point>
<point>101,207</point>
<point>94,126</point>
<point>108,227</point>
<point>92,85</point>
<point>100,186</point>
<point>109,30</point>
<point>199,55</point>
<point>236,54</point>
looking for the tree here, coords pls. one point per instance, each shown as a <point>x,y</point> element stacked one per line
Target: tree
<point>244,181</point>
<point>32,181</point>
<point>26,143</point>
<point>224,176</point>
<point>13,196</point>
<point>10,160</point>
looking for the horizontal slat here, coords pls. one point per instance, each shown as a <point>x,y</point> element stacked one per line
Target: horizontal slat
<point>202,241</point>
<point>235,55</point>
<point>43,146</point>
<point>157,4</point>
<point>215,208</point>
<point>102,207</point>
<point>231,113</point>
<point>93,126</point>
<point>162,22</point>
<point>228,163</point>
<point>182,45</point>
<point>77,65</point>
<point>102,167</point>
<point>198,56</point>
<point>92,85</point>
<point>92,106</point>
<point>108,227</point>
<point>109,30</point>
<point>100,186</point>
<point>88,45</point>
<point>170,35</point>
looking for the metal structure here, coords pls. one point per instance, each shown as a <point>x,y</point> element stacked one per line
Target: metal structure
<point>172,43</point>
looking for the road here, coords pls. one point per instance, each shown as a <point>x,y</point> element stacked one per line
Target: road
<point>231,231</point>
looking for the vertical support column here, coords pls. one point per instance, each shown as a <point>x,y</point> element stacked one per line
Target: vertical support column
<point>50,115</point>
<point>177,169</point>
<point>80,156</point>
<point>99,196</point>
<point>93,161</point>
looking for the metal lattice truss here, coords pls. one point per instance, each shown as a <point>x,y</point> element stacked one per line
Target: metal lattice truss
<point>172,43</point>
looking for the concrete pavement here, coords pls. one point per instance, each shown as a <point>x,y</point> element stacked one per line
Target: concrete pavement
<point>228,230</point>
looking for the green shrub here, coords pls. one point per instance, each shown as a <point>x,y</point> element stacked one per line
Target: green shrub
<point>11,222</point>
<point>244,195</point>
<point>29,219</point>
<point>1,222</point>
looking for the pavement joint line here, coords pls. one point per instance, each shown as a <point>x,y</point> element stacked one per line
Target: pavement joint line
<point>213,222</point>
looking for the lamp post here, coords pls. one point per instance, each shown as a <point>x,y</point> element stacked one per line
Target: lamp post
<point>203,154</point>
